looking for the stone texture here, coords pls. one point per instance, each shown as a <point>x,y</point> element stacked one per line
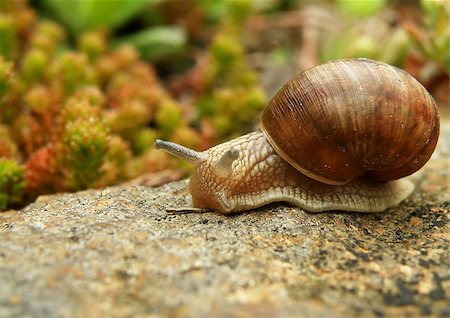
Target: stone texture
<point>118,253</point>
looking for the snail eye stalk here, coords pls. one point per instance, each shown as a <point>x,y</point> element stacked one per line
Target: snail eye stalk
<point>180,151</point>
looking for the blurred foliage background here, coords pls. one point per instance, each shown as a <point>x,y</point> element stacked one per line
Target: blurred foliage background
<point>86,86</point>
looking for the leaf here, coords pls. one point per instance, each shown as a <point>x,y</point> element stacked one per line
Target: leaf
<point>157,42</point>
<point>360,8</point>
<point>83,15</point>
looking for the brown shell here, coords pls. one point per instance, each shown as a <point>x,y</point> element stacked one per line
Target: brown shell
<point>353,117</point>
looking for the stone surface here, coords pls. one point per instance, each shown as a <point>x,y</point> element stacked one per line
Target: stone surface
<point>118,253</point>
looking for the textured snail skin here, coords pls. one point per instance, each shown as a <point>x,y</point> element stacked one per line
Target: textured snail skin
<point>259,176</point>
<point>353,117</point>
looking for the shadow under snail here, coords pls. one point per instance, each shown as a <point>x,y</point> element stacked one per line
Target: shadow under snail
<point>338,136</point>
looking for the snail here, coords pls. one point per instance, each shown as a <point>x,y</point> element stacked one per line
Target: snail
<point>338,136</point>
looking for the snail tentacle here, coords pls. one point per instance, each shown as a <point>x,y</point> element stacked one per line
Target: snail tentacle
<point>180,151</point>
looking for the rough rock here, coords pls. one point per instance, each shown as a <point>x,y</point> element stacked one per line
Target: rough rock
<point>117,252</point>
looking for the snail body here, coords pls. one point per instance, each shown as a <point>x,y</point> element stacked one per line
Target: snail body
<point>339,136</point>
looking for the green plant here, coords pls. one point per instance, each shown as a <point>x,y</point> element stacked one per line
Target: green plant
<point>85,142</point>
<point>433,40</point>
<point>230,97</point>
<point>81,109</point>
<point>84,16</point>
<point>12,182</point>
<point>351,36</point>
<point>81,16</point>
<point>360,8</point>
<point>76,119</point>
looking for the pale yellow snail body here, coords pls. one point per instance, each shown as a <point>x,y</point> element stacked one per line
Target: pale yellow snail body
<point>338,136</point>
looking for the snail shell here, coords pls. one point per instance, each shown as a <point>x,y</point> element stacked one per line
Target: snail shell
<point>353,117</point>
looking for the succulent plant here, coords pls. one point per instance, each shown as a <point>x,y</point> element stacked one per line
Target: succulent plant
<point>117,157</point>
<point>47,36</point>
<point>81,109</point>
<point>34,66</point>
<point>85,143</point>
<point>8,147</point>
<point>12,182</point>
<point>41,172</point>
<point>8,47</point>
<point>434,41</point>
<point>74,119</point>
<point>231,97</point>
<point>71,71</point>
<point>357,31</point>
<point>9,91</point>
